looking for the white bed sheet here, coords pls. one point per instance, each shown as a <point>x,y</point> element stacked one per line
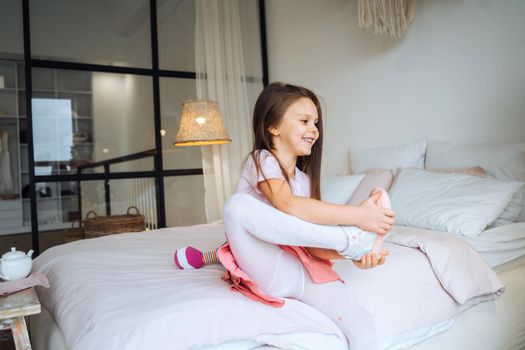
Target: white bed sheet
<point>124,292</point>
<point>506,309</point>
<point>500,244</point>
<point>46,335</point>
<point>493,325</point>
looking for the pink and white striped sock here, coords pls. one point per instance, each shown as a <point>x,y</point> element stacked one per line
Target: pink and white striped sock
<point>190,258</point>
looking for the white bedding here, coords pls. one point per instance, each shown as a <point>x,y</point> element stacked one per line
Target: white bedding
<point>136,294</point>
<point>46,335</point>
<point>496,325</point>
<point>124,292</point>
<point>500,244</point>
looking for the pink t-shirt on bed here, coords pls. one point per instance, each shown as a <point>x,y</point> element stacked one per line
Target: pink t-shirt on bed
<point>320,270</point>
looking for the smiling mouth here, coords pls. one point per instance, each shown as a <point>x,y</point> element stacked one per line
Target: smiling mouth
<point>308,139</point>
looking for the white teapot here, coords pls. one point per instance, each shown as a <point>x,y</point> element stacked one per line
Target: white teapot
<point>15,264</point>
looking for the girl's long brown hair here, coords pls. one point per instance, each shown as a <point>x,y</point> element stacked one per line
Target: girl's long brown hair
<point>270,107</point>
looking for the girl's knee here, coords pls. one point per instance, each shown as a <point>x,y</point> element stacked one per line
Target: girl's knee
<point>235,206</point>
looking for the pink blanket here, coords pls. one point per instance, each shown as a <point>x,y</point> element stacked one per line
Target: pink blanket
<point>457,266</point>
<point>34,279</point>
<point>429,277</point>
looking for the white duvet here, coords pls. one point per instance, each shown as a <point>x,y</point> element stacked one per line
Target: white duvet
<point>124,292</point>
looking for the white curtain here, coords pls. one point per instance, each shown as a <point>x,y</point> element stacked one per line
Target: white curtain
<point>221,77</point>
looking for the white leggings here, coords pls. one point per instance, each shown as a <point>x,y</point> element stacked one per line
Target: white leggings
<point>254,229</point>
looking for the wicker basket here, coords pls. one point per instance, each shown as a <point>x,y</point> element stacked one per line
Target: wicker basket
<point>74,233</point>
<point>96,226</point>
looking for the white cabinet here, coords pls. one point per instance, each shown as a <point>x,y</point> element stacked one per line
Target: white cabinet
<point>60,143</point>
<point>11,214</point>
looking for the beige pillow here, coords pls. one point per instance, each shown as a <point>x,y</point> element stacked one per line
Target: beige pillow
<point>472,171</point>
<point>373,178</point>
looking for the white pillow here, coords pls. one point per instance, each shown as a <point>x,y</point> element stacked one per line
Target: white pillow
<point>512,211</point>
<point>406,156</point>
<point>453,203</point>
<point>503,161</point>
<point>339,189</point>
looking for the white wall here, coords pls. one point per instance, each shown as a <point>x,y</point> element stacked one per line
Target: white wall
<point>458,74</point>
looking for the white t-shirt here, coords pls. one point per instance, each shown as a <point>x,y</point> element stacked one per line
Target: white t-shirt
<point>269,166</point>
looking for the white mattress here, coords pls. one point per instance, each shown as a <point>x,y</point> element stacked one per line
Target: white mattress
<point>500,324</point>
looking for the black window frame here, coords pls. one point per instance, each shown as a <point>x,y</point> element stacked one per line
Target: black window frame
<point>155,73</point>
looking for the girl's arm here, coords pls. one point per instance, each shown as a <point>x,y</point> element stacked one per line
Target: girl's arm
<point>367,216</point>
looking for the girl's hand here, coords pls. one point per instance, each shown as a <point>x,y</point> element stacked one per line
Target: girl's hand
<point>373,218</point>
<point>371,260</point>
<point>373,192</point>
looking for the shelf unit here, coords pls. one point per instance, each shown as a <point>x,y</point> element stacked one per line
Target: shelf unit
<point>59,198</point>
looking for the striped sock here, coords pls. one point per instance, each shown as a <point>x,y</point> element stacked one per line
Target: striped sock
<point>189,258</point>
<point>210,257</point>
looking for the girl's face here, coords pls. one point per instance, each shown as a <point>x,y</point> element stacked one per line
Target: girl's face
<point>297,131</point>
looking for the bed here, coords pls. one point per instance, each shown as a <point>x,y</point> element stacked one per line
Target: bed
<point>123,292</point>
<point>440,289</point>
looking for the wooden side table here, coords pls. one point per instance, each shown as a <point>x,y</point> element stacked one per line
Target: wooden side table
<point>13,308</point>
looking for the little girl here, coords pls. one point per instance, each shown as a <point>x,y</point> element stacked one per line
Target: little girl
<point>280,235</point>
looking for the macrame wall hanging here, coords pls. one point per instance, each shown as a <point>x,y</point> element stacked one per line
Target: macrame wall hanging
<point>386,17</point>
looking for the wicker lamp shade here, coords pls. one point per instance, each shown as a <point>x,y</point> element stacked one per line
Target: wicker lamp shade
<point>201,124</point>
